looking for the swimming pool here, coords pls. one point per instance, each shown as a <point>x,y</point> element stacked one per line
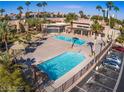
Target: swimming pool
<point>70,39</point>
<point>59,65</point>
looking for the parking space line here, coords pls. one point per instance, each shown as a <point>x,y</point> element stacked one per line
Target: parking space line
<point>81,88</point>
<point>104,75</point>
<point>101,85</point>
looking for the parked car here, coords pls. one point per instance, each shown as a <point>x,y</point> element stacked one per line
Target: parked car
<point>114,59</point>
<point>118,48</point>
<point>111,64</point>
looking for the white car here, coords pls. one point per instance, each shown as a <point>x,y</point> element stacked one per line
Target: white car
<point>111,65</point>
<point>113,58</point>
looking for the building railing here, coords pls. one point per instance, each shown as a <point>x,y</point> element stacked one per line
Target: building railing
<point>73,79</point>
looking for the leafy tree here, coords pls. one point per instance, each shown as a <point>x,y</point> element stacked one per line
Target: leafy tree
<point>121,30</point>
<point>71,17</point>
<point>120,39</point>
<point>11,77</point>
<point>4,29</point>
<point>96,28</point>
<point>95,17</point>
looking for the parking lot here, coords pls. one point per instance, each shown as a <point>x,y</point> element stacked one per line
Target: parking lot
<point>102,79</point>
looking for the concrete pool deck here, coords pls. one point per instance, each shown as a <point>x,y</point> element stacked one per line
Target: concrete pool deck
<point>51,48</point>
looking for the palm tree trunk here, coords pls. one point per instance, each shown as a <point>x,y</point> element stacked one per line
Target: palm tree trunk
<point>107,13</point>
<point>72,26</point>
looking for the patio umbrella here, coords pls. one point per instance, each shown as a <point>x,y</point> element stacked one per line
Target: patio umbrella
<point>74,40</point>
<point>91,44</point>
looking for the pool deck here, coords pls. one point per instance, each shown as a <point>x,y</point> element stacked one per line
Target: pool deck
<point>51,48</point>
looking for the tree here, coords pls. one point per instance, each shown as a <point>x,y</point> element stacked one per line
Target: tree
<point>120,39</point>
<point>27,3</point>
<point>2,11</point>
<point>109,5</point>
<point>99,8</point>
<point>96,28</point>
<point>11,77</point>
<point>116,9</point>
<point>4,29</point>
<point>95,17</point>
<point>103,11</point>
<point>44,4</point>
<point>81,14</point>
<point>70,18</point>
<point>39,5</point>
<point>20,8</point>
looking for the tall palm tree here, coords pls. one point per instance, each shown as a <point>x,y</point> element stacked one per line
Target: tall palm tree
<point>2,11</point>
<point>20,8</point>
<point>103,11</point>
<point>116,9</point>
<point>44,4</point>
<point>39,5</point>
<point>27,3</point>
<point>99,8</point>
<point>109,5</point>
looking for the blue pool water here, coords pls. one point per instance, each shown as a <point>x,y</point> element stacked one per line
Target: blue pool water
<point>70,39</point>
<point>58,66</point>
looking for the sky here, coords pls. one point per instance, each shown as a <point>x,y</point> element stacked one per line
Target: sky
<point>88,7</point>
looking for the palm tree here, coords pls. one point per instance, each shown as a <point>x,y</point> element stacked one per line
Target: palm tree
<point>20,8</point>
<point>109,5</point>
<point>116,9</point>
<point>27,3</point>
<point>44,4</point>
<point>103,11</point>
<point>70,18</point>
<point>4,33</point>
<point>39,5</point>
<point>99,8</point>
<point>81,14</point>
<point>2,11</point>
<point>96,28</point>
